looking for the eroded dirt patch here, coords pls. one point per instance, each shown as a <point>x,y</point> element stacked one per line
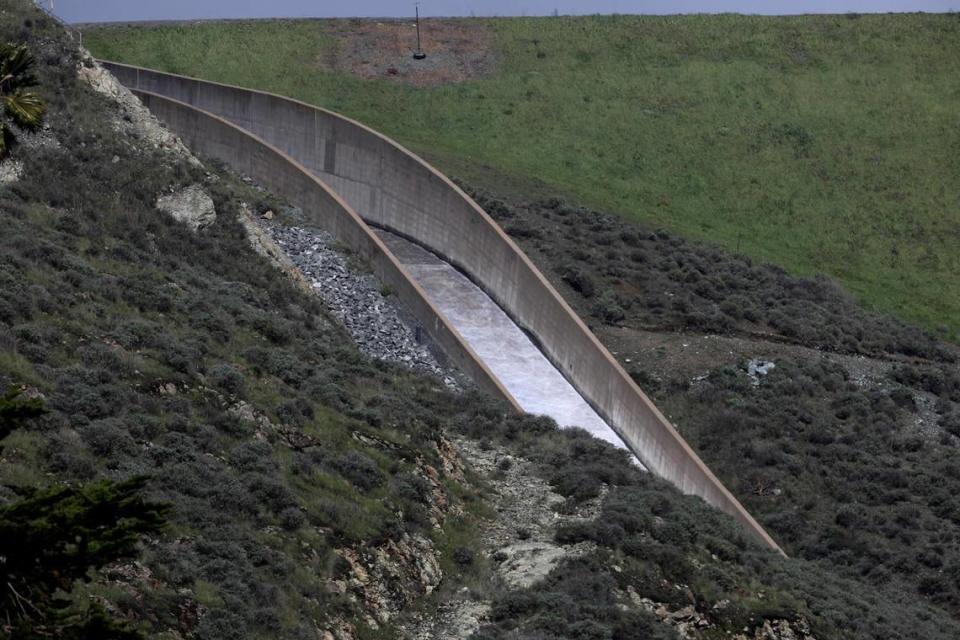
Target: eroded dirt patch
<point>520,539</point>
<point>456,50</point>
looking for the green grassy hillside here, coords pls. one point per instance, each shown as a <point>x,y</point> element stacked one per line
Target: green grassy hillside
<point>823,144</point>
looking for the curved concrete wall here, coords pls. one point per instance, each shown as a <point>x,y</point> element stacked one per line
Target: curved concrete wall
<point>391,187</point>
<point>214,137</point>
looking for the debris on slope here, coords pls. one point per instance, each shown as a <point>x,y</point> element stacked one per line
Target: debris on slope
<point>522,536</point>
<point>264,245</point>
<point>519,538</point>
<point>691,624</point>
<point>357,300</point>
<point>758,367</point>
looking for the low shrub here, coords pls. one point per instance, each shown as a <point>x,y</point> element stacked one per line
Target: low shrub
<point>228,379</point>
<point>363,473</point>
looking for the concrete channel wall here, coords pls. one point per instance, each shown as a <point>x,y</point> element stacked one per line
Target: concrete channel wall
<point>393,188</point>
<point>211,136</point>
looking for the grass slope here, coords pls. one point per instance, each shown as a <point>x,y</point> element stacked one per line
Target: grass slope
<point>820,143</point>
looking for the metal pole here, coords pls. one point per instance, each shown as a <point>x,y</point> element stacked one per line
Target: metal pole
<point>418,54</point>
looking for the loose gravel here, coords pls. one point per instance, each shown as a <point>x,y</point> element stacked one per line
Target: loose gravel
<point>355,298</point>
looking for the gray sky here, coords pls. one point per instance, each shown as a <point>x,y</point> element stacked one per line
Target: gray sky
<point>120,10</point>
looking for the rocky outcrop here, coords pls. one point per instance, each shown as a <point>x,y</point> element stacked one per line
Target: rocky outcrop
<point>450,460</point>
<point>780,630</point>
<point>192,206</point>
<point>389,578</point>
<point>133,121</point>
<point>526,563</point>
<point>692,624</point>
<point>132,118</point>
<point>10,171</point>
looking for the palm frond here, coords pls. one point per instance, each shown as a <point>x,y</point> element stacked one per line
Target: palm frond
<point>25,108</point>
<point>16,61</point>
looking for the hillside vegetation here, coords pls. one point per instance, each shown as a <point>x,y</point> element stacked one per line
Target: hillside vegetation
<point>819,143</point>
<point>844,449</point>
<point>192,447</point>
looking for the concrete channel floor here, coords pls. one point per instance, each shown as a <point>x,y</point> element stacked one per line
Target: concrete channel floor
<point>513,358</point>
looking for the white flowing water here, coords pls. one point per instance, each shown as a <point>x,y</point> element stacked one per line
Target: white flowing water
<point>505,349</point>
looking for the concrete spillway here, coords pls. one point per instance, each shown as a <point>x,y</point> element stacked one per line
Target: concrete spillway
<point>510,354</point>
<point>337,170</point>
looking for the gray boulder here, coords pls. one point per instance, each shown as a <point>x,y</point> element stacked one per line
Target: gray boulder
<point>192,206</point>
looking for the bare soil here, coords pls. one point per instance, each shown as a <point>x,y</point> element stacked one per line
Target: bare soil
<point>456,50</point>
<point>519,538</point>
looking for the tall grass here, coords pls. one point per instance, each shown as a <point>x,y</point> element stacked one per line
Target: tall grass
<point>822,143</point>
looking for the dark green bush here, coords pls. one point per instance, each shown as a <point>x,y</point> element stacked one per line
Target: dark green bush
<point>364,474</point>
<point>463,556</point>
<point>579,281</point>
<point>228,379</point>
<point>609,308</point>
